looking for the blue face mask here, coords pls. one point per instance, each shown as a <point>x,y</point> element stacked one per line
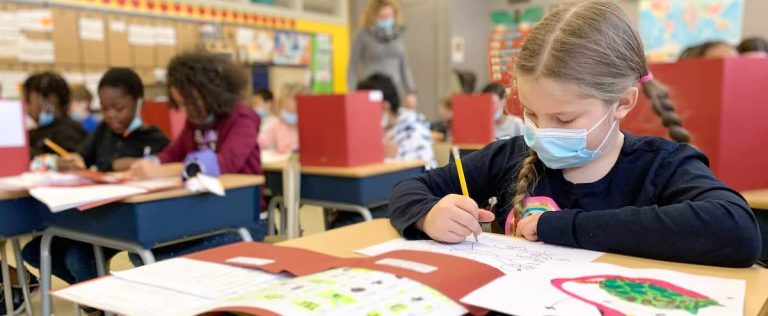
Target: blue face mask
<point>46,117</point>
<point>288,117</point>
<point>262,112</point>
<point>136,122</point>
<point>386,24</point>
<point>563,148</point>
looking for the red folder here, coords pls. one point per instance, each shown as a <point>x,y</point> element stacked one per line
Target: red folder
<point>15,155</point>
<point>455,277</point>
<point>169,120</point>
<point>340,130</point>
<point>473,119</point>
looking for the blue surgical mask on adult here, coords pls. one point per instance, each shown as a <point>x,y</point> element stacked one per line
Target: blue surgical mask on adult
<point>386,24</point>
<point>288,117</point>
<point>564,148</point>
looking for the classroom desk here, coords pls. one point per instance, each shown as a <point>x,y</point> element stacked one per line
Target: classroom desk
<point>351,189</point>
<point>758,201</point>
<point>344,241</point>
<point>19,215</point>
<point>140,223</point>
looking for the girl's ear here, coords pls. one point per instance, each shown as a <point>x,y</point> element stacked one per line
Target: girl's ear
<point>627,102</point>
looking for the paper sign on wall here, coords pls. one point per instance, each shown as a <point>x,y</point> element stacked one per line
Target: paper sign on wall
<point>141,35</point>
<point>35,20</point>
<point>165,35</point>
<point>91,29</point>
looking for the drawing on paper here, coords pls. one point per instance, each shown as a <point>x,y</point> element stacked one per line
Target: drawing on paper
<point>615,295</point>
<point>510,255</point>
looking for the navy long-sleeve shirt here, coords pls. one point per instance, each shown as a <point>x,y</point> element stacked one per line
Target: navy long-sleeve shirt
<point>659,201</point>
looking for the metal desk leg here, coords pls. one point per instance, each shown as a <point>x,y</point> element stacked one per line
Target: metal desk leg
<point>245,235</point>
<point>363,211</point>
<point>6,280</point>
<point>22,275</point>
<point>45,273</point>
<point>98,256</point>
<point>271,215</point>
<point>101,266</point>
<point>146,255</point>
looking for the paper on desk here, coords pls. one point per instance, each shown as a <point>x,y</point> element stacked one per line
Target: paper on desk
<point>510,255</point>
<point>203,183</point>
<point>199,278</point>
<point>29,180</point>
<point>130,298</point>
<point>605,289</point>
<point>63,198</point>
<point>345,291</point>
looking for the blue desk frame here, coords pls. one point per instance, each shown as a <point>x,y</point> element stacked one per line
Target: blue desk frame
<point>139,227</point>
<point>20,216</point>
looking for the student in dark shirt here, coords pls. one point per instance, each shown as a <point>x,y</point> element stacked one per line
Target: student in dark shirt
<point>639,196</point>
<point>122,137</point>
<point>46,96</point>
<point>116,143</point>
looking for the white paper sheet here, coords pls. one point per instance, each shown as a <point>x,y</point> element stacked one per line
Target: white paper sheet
<point>10,36</point>
<point>198,278</point>
<point>12,131</point>
<point>64,198</point>
<point>510,255</point>
<point>244,36</point>
<point>165,35</point>
<point>536,293</point>
<point>35,20</point>
<point>130,298</point>
<point>118,26</point>
<point>91,29</point>
<point>30,180</point>
<point>141,35</point>
<point>36,51</point>
<point>347,291</point>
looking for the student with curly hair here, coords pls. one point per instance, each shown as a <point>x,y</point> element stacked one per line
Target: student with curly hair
<point>209,89</point>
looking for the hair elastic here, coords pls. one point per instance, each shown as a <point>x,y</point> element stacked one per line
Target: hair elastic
<point>646,78</point>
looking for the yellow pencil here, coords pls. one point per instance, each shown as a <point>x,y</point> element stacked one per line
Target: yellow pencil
<point>56,148</point>
<point>462,180</point>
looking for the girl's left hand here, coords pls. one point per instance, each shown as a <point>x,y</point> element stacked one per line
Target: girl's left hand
<point>526,227</point>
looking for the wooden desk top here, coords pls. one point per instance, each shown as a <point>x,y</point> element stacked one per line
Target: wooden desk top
<point>229,181</point>
<point>757,199</point>
<point>351,172</point>
<point>10,195</point>
<point>470,146</point>
<point>344,241</point>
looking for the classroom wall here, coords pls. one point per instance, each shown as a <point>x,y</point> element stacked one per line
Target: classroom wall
<point>471,21</point>
<point>755,18</point>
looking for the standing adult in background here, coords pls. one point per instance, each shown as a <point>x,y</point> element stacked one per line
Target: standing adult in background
<point>378,49</point>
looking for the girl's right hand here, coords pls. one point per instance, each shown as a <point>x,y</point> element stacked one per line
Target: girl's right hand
<point>454,218</point>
